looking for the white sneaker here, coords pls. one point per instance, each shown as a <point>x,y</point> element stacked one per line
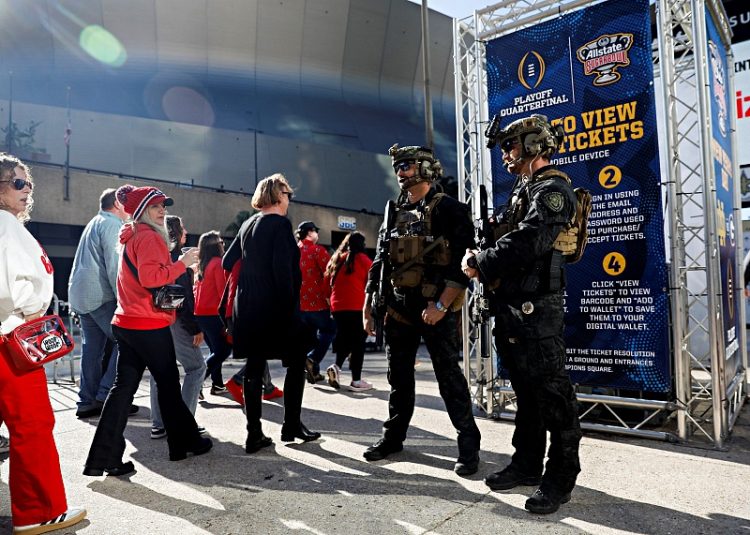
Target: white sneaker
<point>360,386</point>
<point>4,444</point>
<point>334,376</point>
<point>72,516</point>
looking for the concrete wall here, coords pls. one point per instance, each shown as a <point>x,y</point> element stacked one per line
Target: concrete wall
<point>201,210</point>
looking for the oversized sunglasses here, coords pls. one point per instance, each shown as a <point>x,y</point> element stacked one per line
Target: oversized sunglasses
<point>288,194</point>
<point>403,166</point>
<point>19,183</point>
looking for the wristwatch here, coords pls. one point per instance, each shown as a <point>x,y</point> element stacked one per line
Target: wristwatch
<point>440,307</point>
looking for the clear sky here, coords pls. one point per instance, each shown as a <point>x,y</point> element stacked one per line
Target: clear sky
<point>457,8</point>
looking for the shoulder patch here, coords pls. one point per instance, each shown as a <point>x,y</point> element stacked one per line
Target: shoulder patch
<point>554,201</point>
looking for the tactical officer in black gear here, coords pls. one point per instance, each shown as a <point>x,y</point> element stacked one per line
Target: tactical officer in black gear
<point>420,249</point>
<point>527,270</point>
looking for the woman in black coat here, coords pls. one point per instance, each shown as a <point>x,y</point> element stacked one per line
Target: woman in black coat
<point>266,315</point>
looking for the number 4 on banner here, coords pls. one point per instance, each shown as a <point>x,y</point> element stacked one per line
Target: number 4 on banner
<point>614,264</point>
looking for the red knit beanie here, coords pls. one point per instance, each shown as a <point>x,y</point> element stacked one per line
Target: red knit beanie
<point>136,200</point>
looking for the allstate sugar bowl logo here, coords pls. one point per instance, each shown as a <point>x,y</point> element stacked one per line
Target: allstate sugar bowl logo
<point>719,86</point>
<point>604,55</point>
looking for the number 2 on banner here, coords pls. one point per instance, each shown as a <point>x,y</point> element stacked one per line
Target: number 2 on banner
<point>614,264</point>
<point>610,176</point>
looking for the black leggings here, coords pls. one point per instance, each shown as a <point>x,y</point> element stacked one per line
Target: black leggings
<point>350,339</point>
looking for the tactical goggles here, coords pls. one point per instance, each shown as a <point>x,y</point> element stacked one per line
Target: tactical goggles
<point>19,183</point>
<point>403,165</point>
<point>508,144</point>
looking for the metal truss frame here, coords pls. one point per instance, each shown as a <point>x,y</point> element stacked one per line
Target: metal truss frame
<point>705,407</point>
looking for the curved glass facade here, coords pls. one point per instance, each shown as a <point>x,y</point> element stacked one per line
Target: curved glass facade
<point>220,92</point>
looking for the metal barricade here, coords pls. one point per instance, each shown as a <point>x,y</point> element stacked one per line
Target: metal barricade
<point>62,309</point>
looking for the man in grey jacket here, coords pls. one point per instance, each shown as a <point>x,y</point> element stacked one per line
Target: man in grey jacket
<point>93,296</point>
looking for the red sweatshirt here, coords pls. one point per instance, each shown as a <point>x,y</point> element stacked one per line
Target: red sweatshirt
<point>148,252</point>
<point>209,289</point>
<point>348,292</point>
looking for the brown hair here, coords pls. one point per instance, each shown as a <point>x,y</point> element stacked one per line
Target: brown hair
<point>8,164</point>
<point>352,244</point>
<point>209,246</point>
<point>269,190</point>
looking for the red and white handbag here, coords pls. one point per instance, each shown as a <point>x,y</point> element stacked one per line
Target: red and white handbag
<point>37,342</point>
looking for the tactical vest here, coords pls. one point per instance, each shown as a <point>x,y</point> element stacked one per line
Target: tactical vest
<point>414,249</point>
<point>571,241</point>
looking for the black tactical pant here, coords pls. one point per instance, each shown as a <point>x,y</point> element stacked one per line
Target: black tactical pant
<point>531,347</point>
<point>402,342</point>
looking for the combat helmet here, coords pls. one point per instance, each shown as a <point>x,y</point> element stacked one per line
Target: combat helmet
<point>535,134</point>
<point>428,167</point>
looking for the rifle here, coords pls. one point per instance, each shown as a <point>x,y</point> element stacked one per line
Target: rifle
<point>480,310</point>
<point>379,304</point>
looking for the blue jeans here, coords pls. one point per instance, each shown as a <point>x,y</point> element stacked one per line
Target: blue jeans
<point>96,330</point>
<point>323,324</point>
<point>213,331</point>
<point>191,359</point>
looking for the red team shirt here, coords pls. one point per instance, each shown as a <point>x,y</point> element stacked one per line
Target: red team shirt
<point>313,261</point>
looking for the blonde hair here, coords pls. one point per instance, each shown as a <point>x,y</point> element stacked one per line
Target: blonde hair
<point>269,190</point>
<point>161,230</point>
<point>8,164</point>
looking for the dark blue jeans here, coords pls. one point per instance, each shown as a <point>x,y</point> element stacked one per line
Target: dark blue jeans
<point>325,328</point>
<point>213,332</point>
<point>96,327</point>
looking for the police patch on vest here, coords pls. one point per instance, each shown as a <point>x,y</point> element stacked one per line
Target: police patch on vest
<point>554,201</point>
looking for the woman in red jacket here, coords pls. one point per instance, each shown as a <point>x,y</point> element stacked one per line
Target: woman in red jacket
<point>346,276</point>
<point>208,291</point>
<point>143,336</point>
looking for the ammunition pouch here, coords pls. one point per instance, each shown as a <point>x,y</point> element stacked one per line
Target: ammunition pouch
<point>420,248</point>
<point>567,241</point>
<point>417,253</point>
<point>410,278</point>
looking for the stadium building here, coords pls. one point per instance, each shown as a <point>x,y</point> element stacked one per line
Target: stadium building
<point>205,97</point>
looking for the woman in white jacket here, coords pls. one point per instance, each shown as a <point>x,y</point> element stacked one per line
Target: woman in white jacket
<point>38,502</point>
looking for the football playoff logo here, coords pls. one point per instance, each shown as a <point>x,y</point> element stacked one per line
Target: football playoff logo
<point>604,55</point>
<point>531,70</point>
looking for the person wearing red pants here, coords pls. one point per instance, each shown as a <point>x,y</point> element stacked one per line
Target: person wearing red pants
<point>38,502</point>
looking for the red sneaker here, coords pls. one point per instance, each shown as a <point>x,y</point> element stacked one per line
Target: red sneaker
<point>275,393</point>
<point>236,391</point>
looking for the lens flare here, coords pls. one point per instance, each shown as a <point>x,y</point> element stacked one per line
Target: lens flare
<point>101,45</point>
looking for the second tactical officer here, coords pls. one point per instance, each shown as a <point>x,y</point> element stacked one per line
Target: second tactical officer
<point>419,256</point>
<point>528,268</point>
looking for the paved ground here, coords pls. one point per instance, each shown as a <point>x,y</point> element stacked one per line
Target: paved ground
<point>326,487</point>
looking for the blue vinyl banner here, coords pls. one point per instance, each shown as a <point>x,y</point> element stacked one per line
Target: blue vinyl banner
<point>723,168</point>
<point>592,72</point>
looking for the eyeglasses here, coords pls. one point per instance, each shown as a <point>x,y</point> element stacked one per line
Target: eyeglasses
<point>288,194</point>
<point>20,183</point>
<point>403,166</point>
<point>508,144</point>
